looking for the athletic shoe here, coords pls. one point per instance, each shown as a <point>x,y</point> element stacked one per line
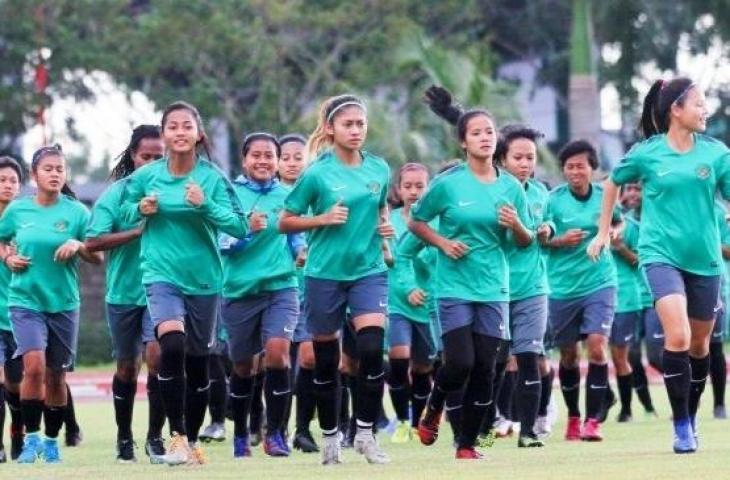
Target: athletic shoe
<point>543,428</point>
<point>503,427</point>
<point>624,417</point>
<point>468,453</point>
<point>428,428</point>
<point>552,412</point>
<point>284,442</point>
<point>197,455</point>
<point>695,430</point>
<point>486,440</point>
<point>73,437</point>
<point>366,444</point>
<point>255,438</point>
<point>719,412</point>
<point>572,429</point>
<point>591,431</point>
<point>684,440</point>
<point>402,433</point>
<point>608,403</point>
<point>155,449</point>
<point>529,441</point>
<point>125,451</point>
<point>240,447</point>
<point>179,452</point>
<point>3,456</point>
<point>51,454</point>
<point>215,432</point>
<point>332,449</point>
<point>274,446</point>
<point>32,448</point>
<point>16,442</point>
<point>304,441</point>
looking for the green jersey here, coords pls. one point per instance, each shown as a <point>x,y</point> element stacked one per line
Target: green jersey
<point>352,250</point>
<point>265,262</point>
<point>5,276</point>
<point>123,270</point>
<point>527,270</point>
<point>467,211</point>
<point>571,272</point>
<point>627,275</point>
<point>678,201</point>
<point>37,231</point>
<point>722,225</point>
<point>647,299</point>
<point>179,242</point>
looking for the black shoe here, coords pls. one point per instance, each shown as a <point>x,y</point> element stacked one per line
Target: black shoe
<point>609,402</point>
<point>125,451</point>
<point>73,437</point>
<point>3,456</point>
<point>303,441</point>
<point>529,441</point>
<point>16,443</point>
<point>624,417</point>
<point>255,438</point>
<point>155,449</point>
<point>719,412</point>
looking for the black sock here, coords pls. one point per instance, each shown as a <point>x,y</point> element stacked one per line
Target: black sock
<point>596,388</point>
<point>2,413</point>
<point>123,393</point>
<point>327,385</point>
<point>257,402</point>
<point>278,391</point>
<point>454,407</point>
<point>354,397</point>
<point>344,396</point>
<point>640,381</point>
<point>676,380</point>
<point>527,391</point>
<point>370,375</point>
<point>32,414</point>
<point>419,396</point>
<point>197,394</point>
<point>399,387</point>
<point>156,413</point>
<point>506,394</point>
<point>16,417</point>
<point>491,414</point>
<point>624,392</point>
<point>218,390</point>
<point>306,402</point>
<point>53,417</point>
<point>718,373</point>
<point>240,398</point>
<point>172,379</point>
<point>69,414</point>
<point>570,386</point>
<point>699,368</point>
<point>546,392</point>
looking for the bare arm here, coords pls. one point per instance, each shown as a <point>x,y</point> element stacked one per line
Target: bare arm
<point>112,240</point>
<point>603,238</point>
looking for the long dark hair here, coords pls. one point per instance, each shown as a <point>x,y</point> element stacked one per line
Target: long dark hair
<point>53,150</point>
<point>202,145</point>
<point>10,162</point>
<point>125,161</point>
<point>658,102</point>
<point>441,102</point>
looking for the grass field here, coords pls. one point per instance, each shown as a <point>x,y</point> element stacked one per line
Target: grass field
<point>640,450</point>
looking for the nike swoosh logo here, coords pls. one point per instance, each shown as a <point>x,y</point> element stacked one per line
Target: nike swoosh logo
<point>455,407</point>
<point>118,398</point>
<point>627,338</point>
<point>663,172</point>
<point>420,397</point>
<point>203,389</point>
<point>337,189</point>
<point>466,204</point>
<point>66,365</point>
<point>568,220</point>
<point>278,394</point>
<point>383,304</point>
<point>598,387</point>
<point>532,382</point>
<point>289,329</point>
<point>658,335</point>
<point>210,344</point>
<point>375,377</point>
<point>672,375</point>
<point>164,379</point>
<point>482,404</point>
<point>605,325</point>
<point>501,327</point>
<point>320,382</point>
<point>233,395</point>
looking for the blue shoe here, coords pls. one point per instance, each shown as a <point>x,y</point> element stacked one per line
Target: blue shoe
<point>50,451</point>
<point>284,443</point>
<point>241,447</point>
<point>32,448</point>
<point>684,440</point>
<point>274,446</point>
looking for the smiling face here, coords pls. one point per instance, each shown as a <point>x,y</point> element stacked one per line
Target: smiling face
<point>291,162</point>
<point>348,128</point>
<point>260,160</point>
<point>692,113</point>
<point>578,171</point>
<point>50,174</point>
<point>9,184</point>
<point>480,137</point>
<point>148,150</point>
<point>181,132</point>
<point>520,158</point>
<point>631,195</point>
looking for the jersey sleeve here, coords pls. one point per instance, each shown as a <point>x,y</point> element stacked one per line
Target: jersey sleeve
<point>83,222</point>
<point>7,224</point>
<point>301,197</point>
<point>722,172</point>
<point>103,216</point>
<point>223,209</point>
<point>431,204</point>
<point>407,250</point>
<point>131,195</point>
<point>386,187</point>
<point>628,170</point>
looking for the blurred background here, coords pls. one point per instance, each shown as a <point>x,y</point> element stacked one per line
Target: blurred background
<point>84,72</point>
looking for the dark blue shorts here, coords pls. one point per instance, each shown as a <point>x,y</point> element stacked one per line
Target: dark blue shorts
<point>528,323</point>
<point>56,334</point>
<point>7,346</point>
<point>253,320</point>
<point>301,332</point>
<point>702,291</point>
<point>573,319</point>
<point>416,335</point>
<point>718,331</point>
<point>653,330</point>
<point>329,300</point>
<point>130,327</point>
<point>485,318</point>
<point>624,328</point>
<point>199,313</point>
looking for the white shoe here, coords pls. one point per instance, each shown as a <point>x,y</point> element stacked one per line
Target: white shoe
<point>332,449</point>
<point>543,428</point>
<point>179,452</point>
<point>366,444</point>
<point>552,412</point>
<point>502,427</point>
<point>215,432</point>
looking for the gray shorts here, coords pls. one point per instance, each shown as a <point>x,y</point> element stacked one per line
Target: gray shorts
<point>416,335</point>
<point>329,300</point>
<point>130,327</point>
<point>653,330</point>
<point>573,319</point>
<point>702,291</point>
<point>252,320</point>
<point>528,323</point>
<point>624,328</point>
<point>199,313</point>
<point>486,318</point>
<point>7,346</point>
<point>56,334</point>
<point>301,332</point>
<point>718,331</point>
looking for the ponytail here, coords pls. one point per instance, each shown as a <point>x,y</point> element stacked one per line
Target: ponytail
<point>125,160</point>
<point>319,139</point>
<point>658,103</point>
<point>441,102</point>
<point>66,190</point>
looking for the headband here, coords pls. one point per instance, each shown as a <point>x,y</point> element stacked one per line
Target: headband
<point>343,105</point>
<point>684,92</point>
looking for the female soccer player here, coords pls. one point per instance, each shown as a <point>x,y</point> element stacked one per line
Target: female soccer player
<point>718,366</point>
<point>130,326</point>
<point>679,244</point>
<point>260,304</point>
<point>480,211</point>
<point>582,293</point>
<point>345,189</point>
<point>11,368</point>
<point>412,348</point>
<point>185,200</point>
<point>48,229</point>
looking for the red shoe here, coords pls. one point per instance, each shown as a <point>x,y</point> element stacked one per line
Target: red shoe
<point>591,431</point>
<point>428,428</point>
<point>468,453</point>
<point>572,430</point>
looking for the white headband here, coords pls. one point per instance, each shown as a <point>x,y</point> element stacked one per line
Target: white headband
<point>343,105</point>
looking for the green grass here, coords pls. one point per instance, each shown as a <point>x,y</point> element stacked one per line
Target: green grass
<point>640,450</point>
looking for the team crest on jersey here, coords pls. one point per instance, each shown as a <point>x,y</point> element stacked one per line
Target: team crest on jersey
<point>703,171</point>
<point>374,187</point>
<point>60,226</point>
